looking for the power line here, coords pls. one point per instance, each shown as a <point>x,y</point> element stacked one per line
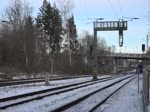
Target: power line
<point>120,7</point>
<point>109,1</point>
<point>81,20</point>
<point>78,12</point>
<point>77,17</point>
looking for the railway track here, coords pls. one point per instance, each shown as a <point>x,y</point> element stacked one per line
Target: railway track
<point>60,76</point>
<point>34,80</point>
<point>37,95</point>
<point>97,96</point>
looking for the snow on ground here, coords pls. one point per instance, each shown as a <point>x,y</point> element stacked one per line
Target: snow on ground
<point>26,88</point>
<point>95,99</point>
<point>148,108</point>
<point>49,103</point>
<point>125,100</point>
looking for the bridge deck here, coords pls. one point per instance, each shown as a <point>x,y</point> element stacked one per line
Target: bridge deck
<point>128,56</point>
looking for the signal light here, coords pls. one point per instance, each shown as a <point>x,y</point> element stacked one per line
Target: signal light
<point>143,47</point>
<point>120,38</point>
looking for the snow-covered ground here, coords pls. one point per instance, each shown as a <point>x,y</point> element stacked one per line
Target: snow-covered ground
<point>26,88</point>
<point>125,100</point>
<point>93,100</point>
<point>148,108</point>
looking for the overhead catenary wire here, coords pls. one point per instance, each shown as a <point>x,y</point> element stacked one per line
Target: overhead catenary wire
<point>120,7</point>
<point>82,3</point>
<point>80,19</point>
<point>114,11</point>
<point>78,12</point>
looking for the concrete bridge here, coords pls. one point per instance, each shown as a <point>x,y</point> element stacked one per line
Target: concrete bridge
<point>130,56</point>
<point>125,57</point>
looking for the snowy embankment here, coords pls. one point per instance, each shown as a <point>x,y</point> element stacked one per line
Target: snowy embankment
<point>49,103</point>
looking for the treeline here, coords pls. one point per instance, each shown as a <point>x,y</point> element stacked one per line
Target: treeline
<point>47,43</point>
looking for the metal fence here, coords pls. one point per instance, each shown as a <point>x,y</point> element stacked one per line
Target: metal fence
<point>145,93</point>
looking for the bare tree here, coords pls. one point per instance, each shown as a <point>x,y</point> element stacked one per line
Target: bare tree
<point>15,14</point>
<point>66,11</point>
<point>29,43</point>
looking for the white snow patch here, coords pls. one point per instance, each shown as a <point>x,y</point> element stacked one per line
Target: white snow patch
<point>125,100</point>
<point>47,104</point>
<point>26,88</point>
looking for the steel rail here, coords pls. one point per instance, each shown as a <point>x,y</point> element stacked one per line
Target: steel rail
<point>103,101</point>
<point>75,102</point>
<point>61,88</point>
<point>27,81</point>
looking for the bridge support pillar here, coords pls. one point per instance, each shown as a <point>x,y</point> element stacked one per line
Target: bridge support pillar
<point>115,66</point>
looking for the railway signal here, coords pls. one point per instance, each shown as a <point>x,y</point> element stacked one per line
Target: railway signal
<point>106,26</point>
<point>143,47</point>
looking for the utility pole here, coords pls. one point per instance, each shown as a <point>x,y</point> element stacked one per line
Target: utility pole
<point>147,40</point>
<point>147,48</point>
<point>95,55</point>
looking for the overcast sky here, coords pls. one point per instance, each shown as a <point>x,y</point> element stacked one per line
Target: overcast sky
<point>110,10</point>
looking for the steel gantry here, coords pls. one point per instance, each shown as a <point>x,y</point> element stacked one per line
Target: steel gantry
<point>106,26</point>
